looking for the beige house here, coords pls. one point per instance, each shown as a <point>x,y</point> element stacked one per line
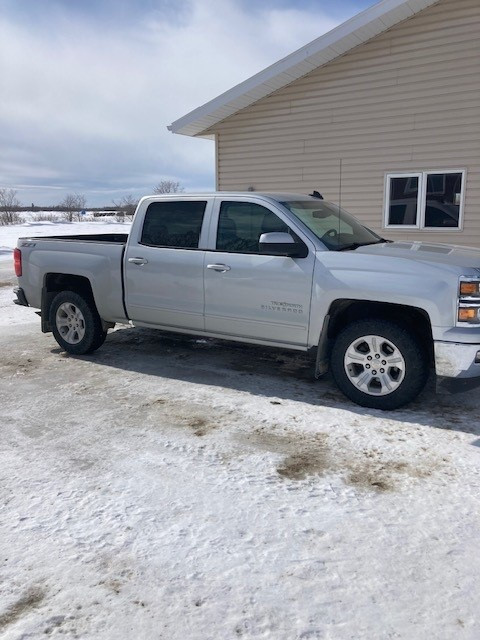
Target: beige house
<point>382,114</point>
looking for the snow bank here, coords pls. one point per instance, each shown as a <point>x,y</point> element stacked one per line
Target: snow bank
<point>10,234</point>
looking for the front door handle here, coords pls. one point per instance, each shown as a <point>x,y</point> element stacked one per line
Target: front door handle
<point>139,261</point>
<point>221,268</point>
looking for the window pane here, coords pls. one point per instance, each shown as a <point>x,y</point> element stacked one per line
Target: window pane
<point>332,225</point>
<point>398,213</point>
<point>173,224</point>
<point>436,184</point>
<point>444,195</point>
<point>403,200</point>
<point>241,224</point>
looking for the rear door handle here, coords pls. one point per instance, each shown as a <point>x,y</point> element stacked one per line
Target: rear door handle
<point>221,268</point>
<point>138,261</point>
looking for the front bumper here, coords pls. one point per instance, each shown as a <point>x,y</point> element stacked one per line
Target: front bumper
<point>457,360</point>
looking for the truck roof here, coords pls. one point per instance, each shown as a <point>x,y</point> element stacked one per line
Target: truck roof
<point>274,195</point>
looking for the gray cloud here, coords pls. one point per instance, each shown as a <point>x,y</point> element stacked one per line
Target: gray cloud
<point>85,102</point>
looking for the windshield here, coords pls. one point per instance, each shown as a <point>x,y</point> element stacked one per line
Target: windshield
<point>336,228</point>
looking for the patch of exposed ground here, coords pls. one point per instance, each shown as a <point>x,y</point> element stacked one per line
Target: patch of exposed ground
<point>18,366</point>
<point>191,416</point>
<point>117,571</point>
<point>371,470</point>
<point>304,454</point>
<point>30,600</point>
<point>311,454</point>
<point>200,426</point>
<point>301,465</point>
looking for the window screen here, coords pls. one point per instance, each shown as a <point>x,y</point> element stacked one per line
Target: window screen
<point>173,224</point>
<point>241,224</point>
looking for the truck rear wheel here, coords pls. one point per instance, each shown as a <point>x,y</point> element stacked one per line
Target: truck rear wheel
<point>75,323</point>
<point>379,364</point>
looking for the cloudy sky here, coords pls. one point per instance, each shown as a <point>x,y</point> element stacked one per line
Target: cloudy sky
<point>88,87</point>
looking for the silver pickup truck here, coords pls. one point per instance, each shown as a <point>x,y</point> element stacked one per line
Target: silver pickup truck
<point>283,270</point>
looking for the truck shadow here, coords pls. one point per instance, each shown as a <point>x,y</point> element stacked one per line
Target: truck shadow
<point>267,372</point>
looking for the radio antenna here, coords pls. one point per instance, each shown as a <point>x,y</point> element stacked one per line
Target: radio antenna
<point>339,195</point>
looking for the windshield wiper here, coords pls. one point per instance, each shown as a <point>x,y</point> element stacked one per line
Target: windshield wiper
<point>356,245</point>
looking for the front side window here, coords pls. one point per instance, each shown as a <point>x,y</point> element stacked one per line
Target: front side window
<point>173,224</point>
<point>240,225</point>
<point>428,200</point>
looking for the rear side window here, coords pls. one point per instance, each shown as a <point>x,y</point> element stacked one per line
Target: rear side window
<point>173,224</point>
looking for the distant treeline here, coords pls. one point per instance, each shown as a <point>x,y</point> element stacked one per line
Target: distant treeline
<point>60,208</point>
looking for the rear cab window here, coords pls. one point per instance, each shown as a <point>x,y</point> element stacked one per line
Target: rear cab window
<point>173,223</point>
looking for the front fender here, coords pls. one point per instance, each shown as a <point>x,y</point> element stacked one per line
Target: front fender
<point>393,281</point>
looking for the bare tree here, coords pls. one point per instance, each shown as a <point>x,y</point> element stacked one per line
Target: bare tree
<point>168,186</point>
<point>9,204</point>
<point>71,206</point>
<point>126,207</point>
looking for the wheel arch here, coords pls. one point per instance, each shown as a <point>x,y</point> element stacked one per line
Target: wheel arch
<point>343,312</point>
<point>54,283</point>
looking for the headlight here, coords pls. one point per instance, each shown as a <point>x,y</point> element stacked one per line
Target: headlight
<point>469,301</point>
<point>469,314</point>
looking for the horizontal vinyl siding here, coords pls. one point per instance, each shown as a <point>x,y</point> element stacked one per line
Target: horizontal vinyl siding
<point>409,100</point>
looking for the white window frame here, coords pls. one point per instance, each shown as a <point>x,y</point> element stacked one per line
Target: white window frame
<point>422,200</point>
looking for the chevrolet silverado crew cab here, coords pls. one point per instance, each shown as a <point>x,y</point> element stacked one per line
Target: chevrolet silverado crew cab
<point>284,270</point>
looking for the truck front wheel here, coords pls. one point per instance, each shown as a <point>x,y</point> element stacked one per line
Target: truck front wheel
<point>75,323</point>
<point>379,364</point>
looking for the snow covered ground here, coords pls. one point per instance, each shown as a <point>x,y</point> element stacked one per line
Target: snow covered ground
<point>175,488</point>
<point>32,227</point>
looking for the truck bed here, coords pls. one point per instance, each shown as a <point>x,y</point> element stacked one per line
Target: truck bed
<point>97,257</point>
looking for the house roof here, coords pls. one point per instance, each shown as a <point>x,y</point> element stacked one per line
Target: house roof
<point>359,29</point>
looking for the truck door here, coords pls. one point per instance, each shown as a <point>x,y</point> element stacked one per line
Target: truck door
<point>164,265</point>
<point>252,295</point>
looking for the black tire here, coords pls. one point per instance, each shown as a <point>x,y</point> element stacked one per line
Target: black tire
<point>90,334</point>
<point>410,381</point>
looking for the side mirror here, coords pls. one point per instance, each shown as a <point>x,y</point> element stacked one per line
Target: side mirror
<point>281,244</point>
